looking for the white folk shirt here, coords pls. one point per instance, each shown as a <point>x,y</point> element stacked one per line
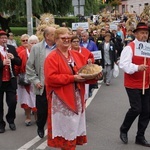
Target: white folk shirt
<point>126,60</point>
<point>2,51</point>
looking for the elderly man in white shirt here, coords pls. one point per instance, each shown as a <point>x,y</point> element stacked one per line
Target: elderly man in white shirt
<point>134,67</point>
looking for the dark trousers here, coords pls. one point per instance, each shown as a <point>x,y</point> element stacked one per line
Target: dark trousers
<point>42,110</point>
<point>140,106</point>
<point>10,100</point>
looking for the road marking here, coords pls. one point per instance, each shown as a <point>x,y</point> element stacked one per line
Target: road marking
<point>43,145</point>
<point>32,142</point>
<point>89,100</point>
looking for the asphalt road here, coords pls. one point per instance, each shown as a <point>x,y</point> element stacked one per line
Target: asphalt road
<point>104,117</point>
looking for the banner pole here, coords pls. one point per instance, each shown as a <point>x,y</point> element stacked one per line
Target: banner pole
<point>144,73</point>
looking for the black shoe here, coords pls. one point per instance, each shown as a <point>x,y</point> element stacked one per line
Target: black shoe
<point>40,133</point>
<point>96,87</point>
<point>90,94</point>
<point>2,130</point>
<point>12,126</point>
<point>2,127</point>
<point>142,142</point>
<point>124,137</point>
<point>104,80</point>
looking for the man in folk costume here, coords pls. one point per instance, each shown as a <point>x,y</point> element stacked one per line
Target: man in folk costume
<point>8,81</point>
<point>134,68</point>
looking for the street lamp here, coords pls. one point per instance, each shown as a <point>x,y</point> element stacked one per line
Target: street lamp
<point>79,7</point>
<point>29,17</point>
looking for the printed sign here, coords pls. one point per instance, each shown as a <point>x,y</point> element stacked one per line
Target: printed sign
<point>97,54</point>
<point>85,25</point>
<point>113,27</point>
<point>142,49</point>
<point>95,18</point>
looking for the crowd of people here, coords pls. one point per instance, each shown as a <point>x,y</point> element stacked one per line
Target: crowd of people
<point>51,67</point>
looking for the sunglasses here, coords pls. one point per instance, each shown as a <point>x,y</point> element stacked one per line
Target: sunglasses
<point>75,41</point>
<point>65,38</point>
<point>24,40</point>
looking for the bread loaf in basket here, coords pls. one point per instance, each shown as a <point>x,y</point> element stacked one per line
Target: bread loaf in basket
<point>90,71</point>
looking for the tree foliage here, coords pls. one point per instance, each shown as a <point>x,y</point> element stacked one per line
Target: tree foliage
<point>12,6</point>
<point>91,7</point>
<point>114,2</point>
<point>18,7</point>
<point>56,7</point>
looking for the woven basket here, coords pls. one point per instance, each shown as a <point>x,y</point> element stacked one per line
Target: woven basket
<point>92,70</point>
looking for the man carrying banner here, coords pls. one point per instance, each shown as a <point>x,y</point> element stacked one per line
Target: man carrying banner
<point>136,77</point>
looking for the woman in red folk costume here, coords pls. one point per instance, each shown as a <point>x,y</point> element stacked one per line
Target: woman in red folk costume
<point>25,92</point>
<point>75,45</point>
<point>65,92</point>
<point>24,43</point>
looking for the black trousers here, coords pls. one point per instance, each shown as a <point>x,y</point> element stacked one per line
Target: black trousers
<point>42,110</point>
<point>10,100</point>
<point>140,106</point>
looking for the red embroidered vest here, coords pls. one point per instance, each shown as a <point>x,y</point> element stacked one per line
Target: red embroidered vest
<point>6,71</point>
<point>135,80</point>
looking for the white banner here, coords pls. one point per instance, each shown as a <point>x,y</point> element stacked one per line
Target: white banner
<point>113,27</point>
<point>97,54</point>
<point>142,49</point>
<point>85,25</point>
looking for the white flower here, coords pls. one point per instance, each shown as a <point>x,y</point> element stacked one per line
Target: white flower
<point>111,47</point>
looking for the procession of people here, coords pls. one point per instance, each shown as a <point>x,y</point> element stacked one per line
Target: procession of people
<point>39,72</point>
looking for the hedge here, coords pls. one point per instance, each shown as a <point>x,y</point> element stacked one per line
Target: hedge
<point>17,31</point>
<point>22,22</point>
<point>18,27</point>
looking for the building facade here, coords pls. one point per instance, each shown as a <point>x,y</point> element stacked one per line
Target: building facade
<point>133,6</point>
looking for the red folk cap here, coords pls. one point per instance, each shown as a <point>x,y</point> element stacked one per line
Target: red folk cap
<point>2,32</point>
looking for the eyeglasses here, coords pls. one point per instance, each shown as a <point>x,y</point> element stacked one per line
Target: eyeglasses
<point>75,41</point>
<point>65,38</point>
<point>3,38</point>
<point>24,40</point>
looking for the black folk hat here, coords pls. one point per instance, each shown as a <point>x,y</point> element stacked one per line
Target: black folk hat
<point>141,26</point>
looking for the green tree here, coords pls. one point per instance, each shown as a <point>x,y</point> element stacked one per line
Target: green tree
<point>102,5</point>
<point>56,7</point>
<point>114,2</point>
<point>12,6</point>
<point>18,7</point>
<point>91,7</point>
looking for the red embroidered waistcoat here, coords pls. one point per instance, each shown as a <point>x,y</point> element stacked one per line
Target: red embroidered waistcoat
<point>135,80</point>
